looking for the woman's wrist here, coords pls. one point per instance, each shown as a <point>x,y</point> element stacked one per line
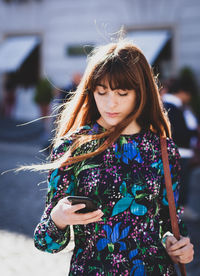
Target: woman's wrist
<point>59,226</point>
<point>54,232</point>
<point>165,236</point>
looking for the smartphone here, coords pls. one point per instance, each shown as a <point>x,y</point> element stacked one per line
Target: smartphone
<point>90,205</point>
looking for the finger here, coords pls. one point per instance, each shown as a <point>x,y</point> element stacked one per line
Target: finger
<point>90,215</point>
<point>77,207</point>
<point>94,219</point>
<point>171,240</point>
<point>181,243</point>
<point>184,251</point>
<point>66,201</point>
<point>185,260</point>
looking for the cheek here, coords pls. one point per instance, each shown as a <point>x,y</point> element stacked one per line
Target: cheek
<point>98,101</point>
<point>130,104</point>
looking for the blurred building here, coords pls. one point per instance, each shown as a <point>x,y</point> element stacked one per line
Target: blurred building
<point>50,38</point>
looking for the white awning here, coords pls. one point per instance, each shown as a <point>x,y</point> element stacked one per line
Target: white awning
<point>15,50</point>
<point>150,42</point>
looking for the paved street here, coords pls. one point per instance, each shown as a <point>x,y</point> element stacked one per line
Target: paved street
<point>21,205</point>
<point>22,199</point>
<point>19,257</point>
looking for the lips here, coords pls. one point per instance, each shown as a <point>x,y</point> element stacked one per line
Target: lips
<point>112,115</point>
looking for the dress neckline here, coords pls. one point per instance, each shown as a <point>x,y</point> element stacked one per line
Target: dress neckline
<point>122,135</point>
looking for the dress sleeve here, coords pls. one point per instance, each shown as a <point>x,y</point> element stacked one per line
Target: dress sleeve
<point>175,169</point>
<point>47,237</point>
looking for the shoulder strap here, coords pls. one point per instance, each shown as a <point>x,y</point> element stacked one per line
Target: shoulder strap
<point>170,196</point>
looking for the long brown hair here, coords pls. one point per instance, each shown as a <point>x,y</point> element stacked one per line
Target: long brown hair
<point>125,67</point>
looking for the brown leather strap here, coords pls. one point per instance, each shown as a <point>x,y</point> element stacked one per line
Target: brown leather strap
<point>170,196</point>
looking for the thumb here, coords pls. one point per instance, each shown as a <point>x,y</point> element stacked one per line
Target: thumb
<point>170,241</point>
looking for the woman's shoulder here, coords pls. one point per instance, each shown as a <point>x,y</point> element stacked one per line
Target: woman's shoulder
<point>172,148</point>
<point>63,144</point>
<point>152,141</point>
<point>69,137</point>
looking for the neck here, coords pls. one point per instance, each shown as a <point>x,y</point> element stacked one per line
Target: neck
<point>132,128</point>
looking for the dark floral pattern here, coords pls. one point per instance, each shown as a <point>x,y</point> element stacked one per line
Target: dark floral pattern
<point>113,237</point>
<point>127,183</point>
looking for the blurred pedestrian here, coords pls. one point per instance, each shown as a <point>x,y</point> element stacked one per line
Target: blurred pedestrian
<point>64,93</point>
<point>107,148</point>
<point>184,126</point>
<point>166,85</point>
<point>9,96</point>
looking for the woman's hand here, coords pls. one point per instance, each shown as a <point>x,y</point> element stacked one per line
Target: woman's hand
<point>64,214</point>
<point>180,251</point>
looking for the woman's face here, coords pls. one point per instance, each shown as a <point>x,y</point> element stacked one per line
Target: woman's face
<point>113,105</point>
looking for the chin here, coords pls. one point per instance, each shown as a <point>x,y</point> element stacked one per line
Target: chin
<point>112,123</point>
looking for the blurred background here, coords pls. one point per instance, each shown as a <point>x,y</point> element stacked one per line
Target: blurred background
<point>43,52</point>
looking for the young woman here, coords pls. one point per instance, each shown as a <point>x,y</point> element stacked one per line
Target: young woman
<point>107,147</point>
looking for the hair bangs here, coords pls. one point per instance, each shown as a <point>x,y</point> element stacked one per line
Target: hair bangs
<point>116,73</point>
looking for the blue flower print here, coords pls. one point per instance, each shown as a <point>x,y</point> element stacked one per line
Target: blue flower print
<point>113,236</point>
<point>70,189</point>
<point>51,244</point>
<point>129,151</point>
<point>159,166</point>
<point>80,250</point>
<point>53,182</point>
<point>176,195</point>
<point>138,267</point>
<point>129,201</point>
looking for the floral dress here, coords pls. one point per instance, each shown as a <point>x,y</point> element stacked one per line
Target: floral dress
<point>126,181</point>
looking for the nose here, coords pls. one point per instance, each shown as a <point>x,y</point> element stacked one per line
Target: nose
<point>112,100</point>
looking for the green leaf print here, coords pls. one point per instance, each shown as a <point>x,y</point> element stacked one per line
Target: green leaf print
<point>96,228</point>
<point>123,188</point>
<point>141,196</point>
<point>111,247</point>
<point>96,192</point>
<point>123,141</point>
<point>82,166</point>
<point>98,257</point>
<point>106,210</point>
<point>161,268</point>
<point>157,208</point>
<point>85,168</point>
<point>92,268</point>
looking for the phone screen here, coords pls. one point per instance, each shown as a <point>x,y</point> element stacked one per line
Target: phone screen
<point>90,205</point>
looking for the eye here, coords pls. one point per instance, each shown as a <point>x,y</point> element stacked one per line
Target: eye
<point>101,93</point>
<point>123,94</point>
